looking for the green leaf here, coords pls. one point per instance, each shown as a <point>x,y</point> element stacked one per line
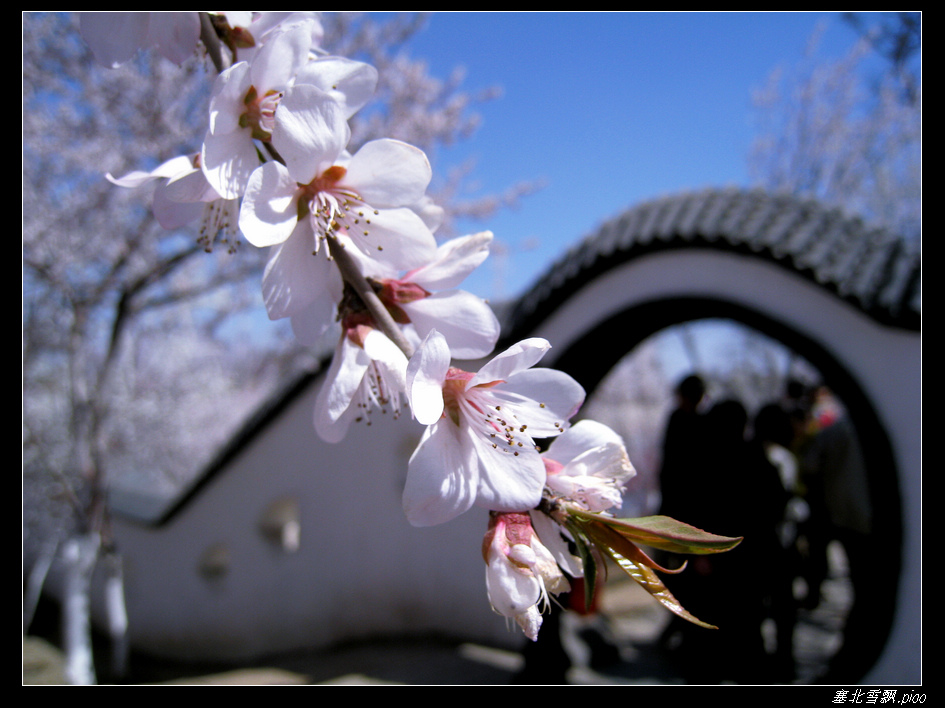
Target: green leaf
<point>626,555</point>
<point>650,581</point>
<point>662,532</point>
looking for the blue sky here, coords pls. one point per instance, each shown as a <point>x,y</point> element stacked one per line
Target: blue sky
<point>610,109</point>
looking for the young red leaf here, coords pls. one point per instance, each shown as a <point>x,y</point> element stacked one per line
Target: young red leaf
<point>664,533</point>
<point>630,559</point>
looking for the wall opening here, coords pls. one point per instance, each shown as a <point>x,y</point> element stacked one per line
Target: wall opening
<point>595,361</point>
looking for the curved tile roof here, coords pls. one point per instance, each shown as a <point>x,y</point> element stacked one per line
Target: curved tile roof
<point>871,268</point>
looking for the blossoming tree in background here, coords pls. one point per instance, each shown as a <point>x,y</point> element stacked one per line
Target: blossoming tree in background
<point>351,238</point>
<point>824,132</point>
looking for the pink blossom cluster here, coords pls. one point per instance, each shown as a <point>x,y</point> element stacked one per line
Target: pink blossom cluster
<point>351,239</point>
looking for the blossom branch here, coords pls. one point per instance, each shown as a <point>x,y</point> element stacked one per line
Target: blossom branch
<point>352,275</point>
<point>208,35</point>
<point>277,163</point>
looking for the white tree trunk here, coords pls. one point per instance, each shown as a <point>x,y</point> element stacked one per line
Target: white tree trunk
<point>79,554</point>
<point>35,582</point>
<point>116,613</point>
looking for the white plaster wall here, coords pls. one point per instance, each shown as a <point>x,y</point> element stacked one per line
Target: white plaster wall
<point>361,569</point>
<point>885,361</point>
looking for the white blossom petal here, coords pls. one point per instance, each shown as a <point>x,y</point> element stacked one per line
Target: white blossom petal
<point>530,622</point>
<point>312,321</point>
<point>454,261</point>
<point>510,591</point>
<point>555,539</point>
<point>518,357</point>
<point>114,37</point>
<point>227,160</point>
<point>466,321</point>
<point>350,83</point>
<point>581,437</point>
<point>426,372</point>
<point>592,466</point>
<point>441,483</point>
<point>276,64</point>
<point>294,277</point>
<point>190,186</point>
<point>226,98</point>
<point>389,173</point>
<point>360,377</point>
<point>267,26</point>
<point>353,362</point>
<point>490,427</point>
<point>396,236</point>
<point>174,34</point>
<point>171,213</point>
<point>511,476</point>
<point>389,358</point>
<point>545,398</point>
<point>310,132</point>
<point>269,214</point>
<point>166,170</point>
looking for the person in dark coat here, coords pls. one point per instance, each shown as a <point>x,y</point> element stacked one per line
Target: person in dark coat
<point>681,454</point>
<point>739,493</point>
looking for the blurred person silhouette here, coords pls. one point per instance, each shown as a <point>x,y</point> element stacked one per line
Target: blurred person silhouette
<point>810,517</point>
<point>681,450</point>
<point>816,531</point>
<point>835,474</point>
<point>796,395</point>
<point>740,495</point>
<point>679,478</point>
<point>748,500</point>
<point>773,431</point>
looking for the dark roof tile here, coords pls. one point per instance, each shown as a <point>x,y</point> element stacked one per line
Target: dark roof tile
<point>871,268</point>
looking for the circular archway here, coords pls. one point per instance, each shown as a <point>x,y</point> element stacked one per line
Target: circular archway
<point>592,356</point>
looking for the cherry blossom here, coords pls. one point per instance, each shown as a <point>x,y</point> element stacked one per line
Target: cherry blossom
<point>184,196</point>
<point>520,571</point>
<point>588,466</point>
<point>299,273</point>
<point>479,445</point>
<point>427,298</point>
<point>245,99</point>
<point>350,203</point>
<point>473,327</point>
<point>252,30</point>
<point>243,107</point>
<point>367,371</point>
<point>367,196</point>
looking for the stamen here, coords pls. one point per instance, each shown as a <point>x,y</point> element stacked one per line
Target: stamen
<point>218,221</point>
